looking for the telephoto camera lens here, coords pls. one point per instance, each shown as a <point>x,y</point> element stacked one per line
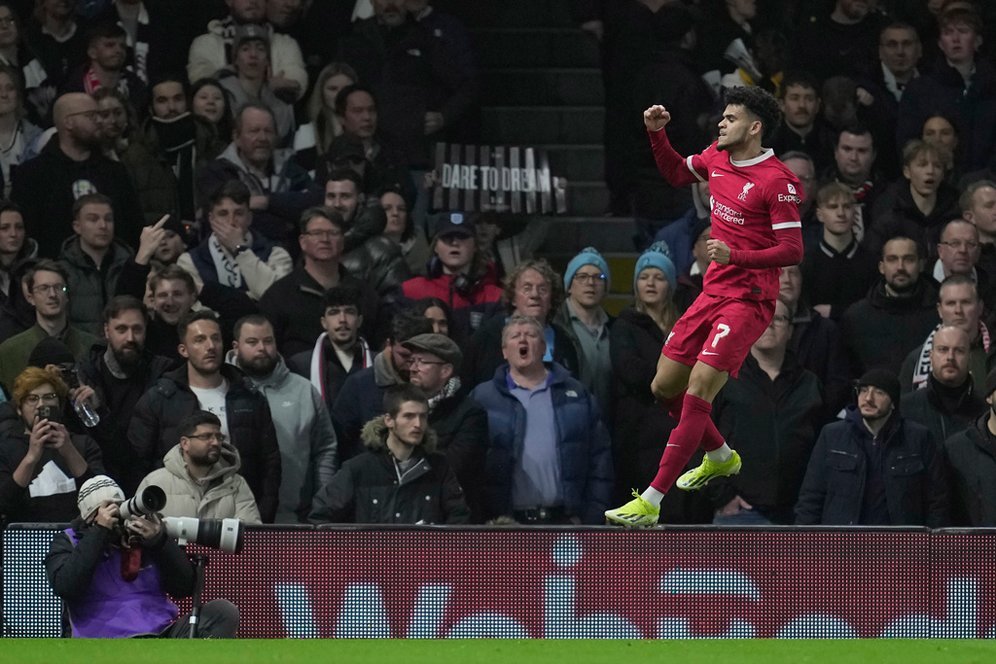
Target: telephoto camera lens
<point>224,534</point>
<point>151,500</point>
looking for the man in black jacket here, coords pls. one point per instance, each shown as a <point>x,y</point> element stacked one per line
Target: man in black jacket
<point>206,382</point>
<point>461,425</point>
<point>971,455</point>
<point>120,371</point>
<point>874,468</point>
<point>773,410</point>
<point>946,402</point>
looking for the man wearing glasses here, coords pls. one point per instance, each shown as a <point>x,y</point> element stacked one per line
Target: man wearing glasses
<point>200,474</point>
<point>71,165</point>
<point>45,288</point>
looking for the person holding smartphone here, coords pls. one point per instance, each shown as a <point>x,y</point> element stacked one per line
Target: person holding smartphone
<point>42,464</point>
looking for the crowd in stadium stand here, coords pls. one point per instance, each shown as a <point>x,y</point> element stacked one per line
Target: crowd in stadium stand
<point>224,207</point>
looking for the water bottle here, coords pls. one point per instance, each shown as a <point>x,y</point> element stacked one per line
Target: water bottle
<point>88,416</point>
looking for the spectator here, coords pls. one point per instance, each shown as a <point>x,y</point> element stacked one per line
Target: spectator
<point>200,475</point>
<point>689,285</point>
<point>279,187</point>
<point>728,22</point>
<point>362,394</point>
<point>57,40</point>
<point>940,132</point>
<point>838,42</point>
<point>881,87</point>
<point>93,260</point>
<point>205,382</point>
<point>149,40</point>
<point>854,167</point>
<point>839,271</point>
<point>508,239</point>
<point>958,305</point>
<point>881,329</point>
<point>118,372</point>
<point>174,294</point>
<point>400,478</point>
<point>418,96</point>
<point>972,469</point>
<point>250,81</point>
<point>294,303</point>
<point>772,409</point>
<point>586,323</point>
<point>232,257</point>
<point>313,139</point>
<point>802,165</point>
<point>369,255</point>
<point>436,311</point>
<point>802,128</point>
<point>959,251</point>
<point>113,123</point>
<point>874,468</point>
<point>916,206</point>
<point>960,85</point>
<point>815,341</point>
<point>550,459</point>
<point>15,130</point>
<point>946,403</point>
<point>340,351</point>
<point>42,465</point>
<point>44,286</point>
<point>94,569</point>
<point>304,429</point>
<point>215,50</point>
<point>460,424</point>
<point>15,53</point>
<point>400,229</point>
<point>69,166</point>
<point>176,142</point>
<point>209,103</point>
<point>641,424</point>
<point>532,289</point>
<point>459,274</point>
<point>362,147</point>
<point>18,252</point>
<point>978,206</point>
<point>105,66</point>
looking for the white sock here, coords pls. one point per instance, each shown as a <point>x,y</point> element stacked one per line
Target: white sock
<point>720,454</point>
<point>652,496</point>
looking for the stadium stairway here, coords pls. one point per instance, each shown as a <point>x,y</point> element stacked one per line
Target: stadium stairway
<point>542,87</point>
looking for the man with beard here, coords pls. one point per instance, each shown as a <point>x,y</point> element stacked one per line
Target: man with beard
<point>205,382</point>
<point>120,371</point>
<point>107,53</point>
<point>304,428</point>
<point>899,311</point>
<point>947,402</point>
<point>802,128</point>
<point>200,475</point>
<point>69,166</point>
<point>874,468</point>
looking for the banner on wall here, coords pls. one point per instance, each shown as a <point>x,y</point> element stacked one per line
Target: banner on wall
<point>487,178</point>
<point>586,583</point>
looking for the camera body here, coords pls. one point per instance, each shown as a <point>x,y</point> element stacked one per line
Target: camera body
<point>224,534</point>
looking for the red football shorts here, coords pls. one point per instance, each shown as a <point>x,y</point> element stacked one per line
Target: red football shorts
<point>718,331</point>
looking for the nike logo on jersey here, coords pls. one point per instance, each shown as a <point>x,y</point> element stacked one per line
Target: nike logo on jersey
<point>709,352</point>
<point>717,174</point>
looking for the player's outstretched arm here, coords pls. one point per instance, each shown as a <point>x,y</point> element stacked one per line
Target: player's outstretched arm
<point>675,168</point>
<point>787,250</point>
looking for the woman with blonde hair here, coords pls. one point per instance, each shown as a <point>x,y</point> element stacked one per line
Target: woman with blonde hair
<point>313,139</point>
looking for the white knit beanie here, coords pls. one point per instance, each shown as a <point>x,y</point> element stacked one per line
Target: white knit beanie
<point>96,490</point>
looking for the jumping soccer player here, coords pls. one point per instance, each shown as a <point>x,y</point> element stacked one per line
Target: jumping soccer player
<point>756,230</point>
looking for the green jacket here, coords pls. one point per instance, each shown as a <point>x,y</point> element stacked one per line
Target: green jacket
<point>14,352</point>
<point>91,286</point>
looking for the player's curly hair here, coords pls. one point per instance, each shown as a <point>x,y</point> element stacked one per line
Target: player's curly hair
<point>760,103</point>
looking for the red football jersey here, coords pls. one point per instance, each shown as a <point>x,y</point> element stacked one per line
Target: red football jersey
<point>750,200</point>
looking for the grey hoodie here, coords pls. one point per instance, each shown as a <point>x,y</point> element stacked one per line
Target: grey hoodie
<point>308,446</point>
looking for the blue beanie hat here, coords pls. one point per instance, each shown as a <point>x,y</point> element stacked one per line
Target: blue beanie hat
<point>657,255</point>
<point>587,256</point>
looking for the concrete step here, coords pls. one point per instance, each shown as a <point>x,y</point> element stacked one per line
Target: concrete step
<point>516,125</point>
<point>510,13</point>
<point>543,87</point>
<point>535,47</point>
<point>576,162</point>
<point>587,198</point>
<point>569,235</point>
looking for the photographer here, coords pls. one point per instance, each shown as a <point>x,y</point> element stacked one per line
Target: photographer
<point>114,576</point>
<point>41,463</point>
